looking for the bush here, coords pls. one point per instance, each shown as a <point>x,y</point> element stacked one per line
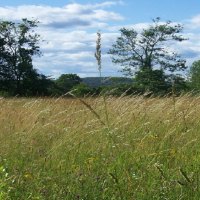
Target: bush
<point>83,90</point>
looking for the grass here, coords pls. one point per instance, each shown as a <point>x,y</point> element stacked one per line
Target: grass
<point>140,148</point>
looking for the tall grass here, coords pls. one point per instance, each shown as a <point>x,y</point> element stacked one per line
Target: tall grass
<point>63,149</point>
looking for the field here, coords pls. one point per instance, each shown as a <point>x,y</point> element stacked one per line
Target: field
<point>121,148</point>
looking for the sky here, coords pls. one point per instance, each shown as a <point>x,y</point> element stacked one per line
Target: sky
<point>68,29</point>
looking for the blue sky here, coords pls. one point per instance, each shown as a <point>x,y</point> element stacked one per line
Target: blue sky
<point>69,29</point>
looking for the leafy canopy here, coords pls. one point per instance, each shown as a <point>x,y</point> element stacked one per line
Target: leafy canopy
<point>66,82</point>
<point>195,75</point>
<point>18,44</point>
<point>148,48</point>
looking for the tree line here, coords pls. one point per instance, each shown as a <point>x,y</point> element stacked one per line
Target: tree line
<point>144,56</point>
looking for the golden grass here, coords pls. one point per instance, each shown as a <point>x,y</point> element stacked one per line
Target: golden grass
<point>60,149</point>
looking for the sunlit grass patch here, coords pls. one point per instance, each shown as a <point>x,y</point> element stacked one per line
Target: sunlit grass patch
<point>60,149</point>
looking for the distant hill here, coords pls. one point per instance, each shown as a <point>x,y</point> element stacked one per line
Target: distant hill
<point>106,81</point>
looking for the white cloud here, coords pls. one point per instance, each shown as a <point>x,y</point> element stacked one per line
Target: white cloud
<point>71,15</point>
<point>138,27</point>
<point>69,34</point>
<point>194,22</point>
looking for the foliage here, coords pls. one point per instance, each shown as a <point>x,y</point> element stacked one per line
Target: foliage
<point>82,90</point>
<point>66,82</point>
<point>121,90</point>
<point>146,54</point>
<point>153,81</point>
<point>4,186</point>
<point>18,45</point>
<point>179,84</point>
<point>37,85</point>
<point>148,49</point>
<point>194,76</point>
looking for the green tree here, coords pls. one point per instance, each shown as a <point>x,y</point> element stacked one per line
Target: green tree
<point>148,49</point>
<point>146,54</point>
<point>18,44</point>
<point>194,75</point>
<point>82,90</point>
<point>37,85</point>
<point>66,82</point>
<point>152,80</point>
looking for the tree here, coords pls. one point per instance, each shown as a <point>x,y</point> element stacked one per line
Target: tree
<point>18,45</point>
<point>147,50</point>
<point>82,90</point>
<point>195,75</point>
<point>37,85</point>
<point>152,80</point>
<point>66,82</point>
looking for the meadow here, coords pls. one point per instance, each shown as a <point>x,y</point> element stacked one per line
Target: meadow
<point>109,148</point>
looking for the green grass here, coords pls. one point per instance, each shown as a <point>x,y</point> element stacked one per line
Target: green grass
<point>140,148</point>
